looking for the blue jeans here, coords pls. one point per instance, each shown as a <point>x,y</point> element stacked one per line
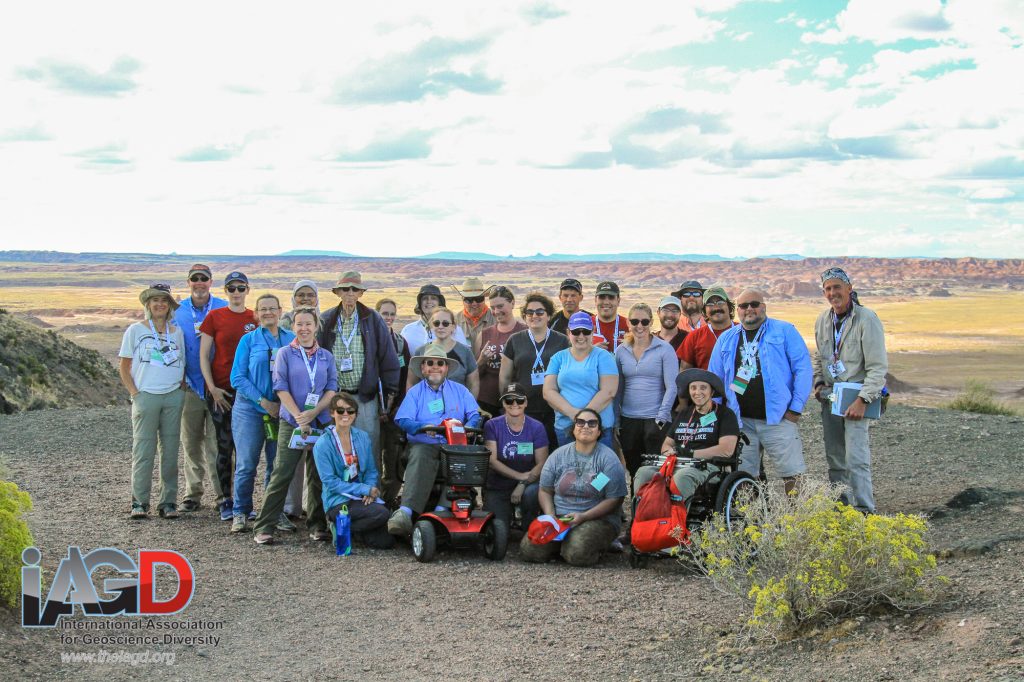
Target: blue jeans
<point>606,437</point>
<point>247,430</point>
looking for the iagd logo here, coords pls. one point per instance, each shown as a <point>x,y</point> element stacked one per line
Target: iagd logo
<point>133,595</point>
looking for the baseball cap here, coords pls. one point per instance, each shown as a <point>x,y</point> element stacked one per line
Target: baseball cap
<point>670,300</point>
<point>581,320</point>
<point>607,288</point>
<point>715,291</point>
<point>571,284</point>
<point>199,268</point>
<point>236,276</point>
<point>514,390</point>
<point>690,284</point>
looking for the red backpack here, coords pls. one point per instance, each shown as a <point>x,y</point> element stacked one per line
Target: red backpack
<point>658,515</point>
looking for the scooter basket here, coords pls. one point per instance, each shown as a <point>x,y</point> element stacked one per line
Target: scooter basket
<point>465,464</point>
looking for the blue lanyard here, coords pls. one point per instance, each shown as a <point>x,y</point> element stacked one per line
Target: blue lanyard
<point>271,341</point>
<point>206,309</point>
<point>167,331</point>
<point>355,328</point>
<point>540,351</point>
<point>837,333</point>
<point>310,367</point>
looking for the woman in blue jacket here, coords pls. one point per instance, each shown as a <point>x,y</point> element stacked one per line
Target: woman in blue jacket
<point>344,460</point>
<point>256,409</point>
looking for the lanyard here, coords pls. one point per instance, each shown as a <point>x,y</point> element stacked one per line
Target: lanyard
<point>615,334</point>
<point>539,351</point>
<point>691,427</point>
<point>348,341</point>
<point>749,358</point>
<point>271,341</point>
<point>349,459</point>
<point>430,334</point>
<point>310,368</point>
<point>837,333</point>
<point>167,330</point>
<point>206,309</point>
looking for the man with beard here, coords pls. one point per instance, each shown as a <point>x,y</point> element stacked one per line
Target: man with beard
<point>691,294</point>
<point>695,351</point>
<point>669,311</point>
<point>570,293</point>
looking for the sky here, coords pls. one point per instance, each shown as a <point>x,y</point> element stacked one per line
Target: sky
<point>740,128</point>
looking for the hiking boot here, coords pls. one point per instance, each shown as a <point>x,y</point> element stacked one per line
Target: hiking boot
<point>400,523</point>
<point>168,511</point>
<point>285,524</point>
<point>263,539</point>
<point>252,515</point>
<point>139,511</point>
<point>320,535</point>
<point>227,509</point>
<point>239,523</point>
<point>190,506</point>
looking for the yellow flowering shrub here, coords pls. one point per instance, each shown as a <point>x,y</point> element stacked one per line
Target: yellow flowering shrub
<point>807,558</point>
<point>14,538</point>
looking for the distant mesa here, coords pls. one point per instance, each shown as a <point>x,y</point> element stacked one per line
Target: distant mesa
<point>313,252</point>
<point>940,293</point>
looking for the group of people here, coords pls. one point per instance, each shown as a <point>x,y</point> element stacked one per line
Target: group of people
<point>339,403</point>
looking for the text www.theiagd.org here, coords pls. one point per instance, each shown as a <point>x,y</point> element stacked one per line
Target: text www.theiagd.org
<point>132,658</point>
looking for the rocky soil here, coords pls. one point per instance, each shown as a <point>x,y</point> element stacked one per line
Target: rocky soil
<point>295,611</point>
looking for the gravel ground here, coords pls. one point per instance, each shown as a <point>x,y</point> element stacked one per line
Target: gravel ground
<point>295,611</point>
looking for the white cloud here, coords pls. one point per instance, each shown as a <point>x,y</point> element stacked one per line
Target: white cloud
<point>991,194</point>
<point>884,21</point>
<point>830,67</point>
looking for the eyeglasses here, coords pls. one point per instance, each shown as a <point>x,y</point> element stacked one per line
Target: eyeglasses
<point>441,323</point>
<point>345,410</point>
<point>606,297</point>
<point>587,423</point>
<point>473,299</point>
<point>752,304</point>
<point>639,323</point>
<point>199,278</point>
<point>715,301</point>
<point>534,312</point>
<point>584,332</point>
<point>240,288</point>
<point>690,294</point>
<point>267,310</point>
<point>347,289</point>
<point>435,363</point>
<point>514,401</point>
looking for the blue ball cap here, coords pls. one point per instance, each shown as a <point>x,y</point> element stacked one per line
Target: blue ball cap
<point>581,321</point>
<point>236,276</point>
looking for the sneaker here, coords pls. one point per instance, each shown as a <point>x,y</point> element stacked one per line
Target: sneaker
<point>320,535</point>
<point>616,546</point>
<point>264,539</point>
<point>227,509</point>
<point>252,515</point>
<point>169,512</point>
<point>190,506</point>
<point>139,512</point>
<point>400,523</point>
<point>285,524</point>
<point>238,523</point>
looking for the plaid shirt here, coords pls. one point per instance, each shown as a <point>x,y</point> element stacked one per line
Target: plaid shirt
<point>349,381</point>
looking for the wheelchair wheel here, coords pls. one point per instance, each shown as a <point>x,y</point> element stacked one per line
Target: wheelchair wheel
<point>494,540</point>
<point>424,541</point>
<point>738,487</point>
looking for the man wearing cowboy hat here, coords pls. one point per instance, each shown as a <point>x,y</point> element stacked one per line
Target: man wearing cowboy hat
<point>428,403</point>
<point>851,348</point>
<point>475,315</point>
<point>691,294</point>
<point>363,353</point>
<point>695,350</point>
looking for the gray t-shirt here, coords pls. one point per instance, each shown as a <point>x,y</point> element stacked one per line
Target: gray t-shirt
<point>459,352</point>
<point>572,477</point>
<point>158,360</point>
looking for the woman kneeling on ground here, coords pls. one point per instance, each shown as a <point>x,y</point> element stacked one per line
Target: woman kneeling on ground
<point>583,485</point>
<point>344,460</point>
<point>700,429</point>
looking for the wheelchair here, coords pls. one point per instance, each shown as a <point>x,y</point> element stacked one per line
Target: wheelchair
<point>723,493</point>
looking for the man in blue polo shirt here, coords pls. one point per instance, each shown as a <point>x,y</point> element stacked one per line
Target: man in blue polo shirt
<point>766,369</point>
<point>197,433</point>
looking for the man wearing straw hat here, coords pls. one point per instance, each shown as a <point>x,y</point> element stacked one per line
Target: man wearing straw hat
<point>475,315</point>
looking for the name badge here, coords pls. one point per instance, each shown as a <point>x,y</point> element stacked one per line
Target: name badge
<point>170,356</point>
<point>600,481</point>
<point>197,325</point>
<point>836,368</point>
<point>273,358</point>
<point>346,365</point>
<point>353,472</point>
<point>156,356</point>
<point>745,373</point>
<point>709,418</point>
<point>524,448</point>
<point>311,400</point>
<point>401,362</point>
<point>436,406</point>
<point>537,378</point>
<point>738,385</point>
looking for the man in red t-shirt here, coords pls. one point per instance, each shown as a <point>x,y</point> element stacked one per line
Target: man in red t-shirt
<point>609,326</point>
<point>220,333</point>
<point>696,348</point>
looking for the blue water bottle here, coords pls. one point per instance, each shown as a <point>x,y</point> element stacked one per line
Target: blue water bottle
<point>343,528</point>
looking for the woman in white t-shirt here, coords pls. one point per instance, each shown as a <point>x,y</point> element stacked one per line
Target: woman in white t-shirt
<point>152,369</point>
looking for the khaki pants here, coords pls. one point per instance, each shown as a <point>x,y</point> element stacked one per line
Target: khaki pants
<point>199,441</point>
<point>281,479</point>
<point>156,417</point>
<point>848,452</point>
<point>583,545</point>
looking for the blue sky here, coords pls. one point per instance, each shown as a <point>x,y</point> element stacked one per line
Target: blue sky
<point>867,128</point>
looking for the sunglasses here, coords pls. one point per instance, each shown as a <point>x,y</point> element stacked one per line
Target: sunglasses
<point>514,401</point>
<point>435,363</point>
<point>577,332</point>
<point>587,423</point>
<point>473,299</point>
<point>639,323</point>
<point>160,286</point>
<point>534,312</point>
<point>441,323</point>
<point>240,288</point>
<point>348,289</point>
<point>606,297</point>
<point>752,304</point>
<point>690,294</point>
<point>345,410</point>
<point>199,278</point>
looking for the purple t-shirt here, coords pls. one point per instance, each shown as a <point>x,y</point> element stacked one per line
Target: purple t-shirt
<point>515,450</point>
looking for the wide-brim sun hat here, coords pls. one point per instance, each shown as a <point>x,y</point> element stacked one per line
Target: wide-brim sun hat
<point>431,352</point>
<point>688,285</point>
<point>350,278</point>
<point>431,290</point>
<point>471,288</point>
<point>158,289</point>
<point>688,376</point>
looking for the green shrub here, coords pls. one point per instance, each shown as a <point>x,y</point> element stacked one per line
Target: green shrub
<point>809,560</point>
<point>979,397</point>
<point>14,538</point>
